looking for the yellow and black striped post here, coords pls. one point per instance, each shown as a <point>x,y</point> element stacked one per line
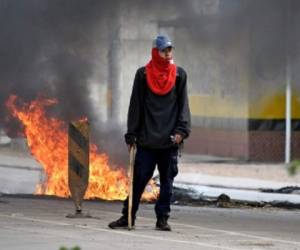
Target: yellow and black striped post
<point>78,157</point>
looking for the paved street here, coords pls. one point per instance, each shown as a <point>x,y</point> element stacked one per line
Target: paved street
<point>40,223</point>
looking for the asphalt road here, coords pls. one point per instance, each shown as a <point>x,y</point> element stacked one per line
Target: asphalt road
<point>40,223</point>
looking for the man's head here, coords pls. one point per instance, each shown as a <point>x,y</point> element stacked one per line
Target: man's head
<point>164,46</point>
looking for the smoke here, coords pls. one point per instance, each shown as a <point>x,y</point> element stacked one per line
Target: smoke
<point>262,34</point>
<point>47,47</point>
<point>52,46</point>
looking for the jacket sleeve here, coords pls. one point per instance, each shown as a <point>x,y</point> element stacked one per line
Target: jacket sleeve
<point>183,124</point>
<point>135,110</point>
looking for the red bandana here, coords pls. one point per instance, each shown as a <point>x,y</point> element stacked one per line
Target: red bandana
<point>160,74</point>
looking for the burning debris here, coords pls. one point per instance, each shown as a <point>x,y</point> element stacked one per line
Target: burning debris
<point>184,195</point>
<point>283,190</point>
<point>47,140</point>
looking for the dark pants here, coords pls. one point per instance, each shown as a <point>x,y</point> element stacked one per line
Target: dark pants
<point>145,162</point>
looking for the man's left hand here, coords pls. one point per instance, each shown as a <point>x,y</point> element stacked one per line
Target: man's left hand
<point>178,139</point>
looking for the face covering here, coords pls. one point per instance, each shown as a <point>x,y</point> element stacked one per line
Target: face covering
<point>160,74</point>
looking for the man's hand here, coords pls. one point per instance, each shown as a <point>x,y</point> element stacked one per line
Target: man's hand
<point>178,139</point>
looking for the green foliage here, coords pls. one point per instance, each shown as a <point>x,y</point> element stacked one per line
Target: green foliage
<point>73,248</point>
<point>294,167</point>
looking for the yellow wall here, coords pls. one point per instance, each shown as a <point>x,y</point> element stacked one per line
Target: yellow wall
<point>215,106</point>
<point>268,107</point>
<point>273,107</point>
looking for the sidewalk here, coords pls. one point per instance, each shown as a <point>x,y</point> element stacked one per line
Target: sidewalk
<point>19,172</point>
<point>205,176</point>
<point>212,176</point>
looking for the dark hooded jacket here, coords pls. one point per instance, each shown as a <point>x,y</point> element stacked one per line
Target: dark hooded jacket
<point>152,118</point>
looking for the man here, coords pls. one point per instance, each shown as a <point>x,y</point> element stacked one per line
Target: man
<point>158,121</point>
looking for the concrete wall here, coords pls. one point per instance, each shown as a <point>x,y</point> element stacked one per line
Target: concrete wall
<point>235,54</point>
<point>217,72</point>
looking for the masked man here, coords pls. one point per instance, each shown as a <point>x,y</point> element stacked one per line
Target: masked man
<point>158,122</point>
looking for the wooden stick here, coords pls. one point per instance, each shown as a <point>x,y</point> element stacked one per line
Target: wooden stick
<point>130,193</point>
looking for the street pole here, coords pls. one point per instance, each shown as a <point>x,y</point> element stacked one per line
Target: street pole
<point>288,103</point>
<point>288,118</point>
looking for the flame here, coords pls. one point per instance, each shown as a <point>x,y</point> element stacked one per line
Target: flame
<point>48,143</point>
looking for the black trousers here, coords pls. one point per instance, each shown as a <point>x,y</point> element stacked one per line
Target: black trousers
<point>145,162</point>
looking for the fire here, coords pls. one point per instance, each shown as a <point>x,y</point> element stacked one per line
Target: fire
<point>48,143</point>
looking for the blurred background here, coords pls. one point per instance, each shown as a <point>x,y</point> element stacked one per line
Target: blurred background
<point>240,56</point>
